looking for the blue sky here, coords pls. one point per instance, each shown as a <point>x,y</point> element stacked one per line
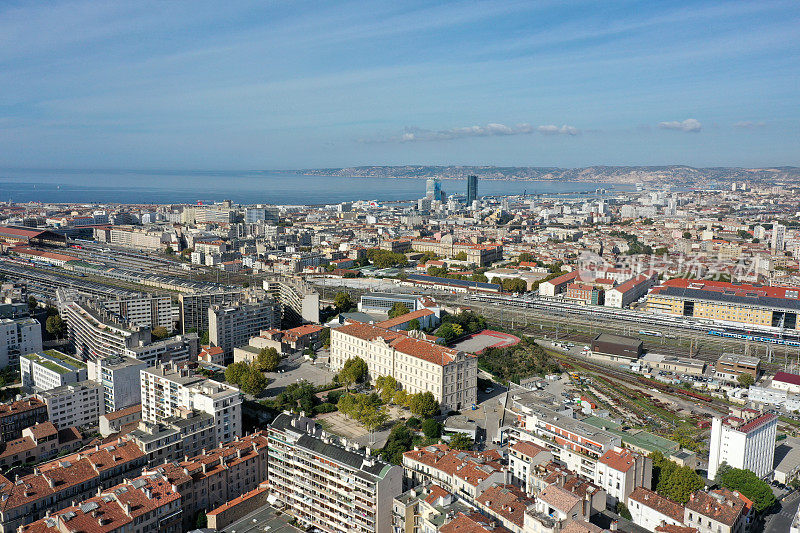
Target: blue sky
<point>246,85</point>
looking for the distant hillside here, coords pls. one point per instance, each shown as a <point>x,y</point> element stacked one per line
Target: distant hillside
<point>673,174</point>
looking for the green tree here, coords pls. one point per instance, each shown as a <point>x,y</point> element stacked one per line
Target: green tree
<point>514,285</point>
<point>672,481</point>
<point>204,340</point>
<point>461,256</point>
<point>235,372</point>
<point>55,326</point>
<point>267,360</point>
<point>398,309</point>
<point>253,382</point>
<point>687,235</point>
<point>449,331</point>
<point>525,257</point>
<point>745,380</point>
<point>431,428</point>
<point>353,371</point>
<point>414,325</point>
<point>160,332</point>
<point>748,484</point>
<point>201,522</point>
<point>623,511</point>
<point>32,303</point>
<point>423,404</point>
<point>387,386</point>
<point>459,441</point>
<point>401,398</point>
<point>169,250</point>
<point>325,337</point>
<point>342,302</point>
<point>400,441</point>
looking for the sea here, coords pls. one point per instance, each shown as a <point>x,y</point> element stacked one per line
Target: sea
<point>247,187</point>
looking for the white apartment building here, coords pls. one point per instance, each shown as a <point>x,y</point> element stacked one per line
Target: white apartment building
<point>523,456</point>
<point>74,405</point>
<point>176,349</point>
<point>95,333</point>
<point>50,369</point>
<point>231,326</point>
<point>620,471</point>
<point>18,336</point>
<point>147,310</point>
<point>418,365</point>
<point>168,391</point>
<point>331,487</point>
<point>743,443</point>
<point>119,376</point>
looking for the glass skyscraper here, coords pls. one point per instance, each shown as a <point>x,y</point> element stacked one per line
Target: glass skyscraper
<point>472,189</point>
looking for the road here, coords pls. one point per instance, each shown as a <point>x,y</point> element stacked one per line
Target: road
<point>781,521</point>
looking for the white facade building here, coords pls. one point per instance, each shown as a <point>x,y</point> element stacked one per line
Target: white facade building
<point>50,369</point>
<point>74,405</point>
<point>168,391</point>
<point>18,336</point>
<point>418,365</point>
<point>620,471</point>
<point>747,444</point>
<point>119,377</point>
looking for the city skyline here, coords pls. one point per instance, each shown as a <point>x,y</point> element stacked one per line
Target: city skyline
<point>297,86</point>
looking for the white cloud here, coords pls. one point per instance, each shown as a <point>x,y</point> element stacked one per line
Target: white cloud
<point>689,125</point>
<point>492,129</point>
<point>749,125</point>
<point>552,129</point>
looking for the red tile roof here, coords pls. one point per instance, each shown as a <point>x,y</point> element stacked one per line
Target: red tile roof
<point>473,523</point>
<point>621,461</point>
<point>657,502</point>
<point>402,319</point>
<point>506,501</point>
<point>726,511</point>
<point>785,377</point>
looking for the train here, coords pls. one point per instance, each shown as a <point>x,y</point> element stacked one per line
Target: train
<point>754,337</point>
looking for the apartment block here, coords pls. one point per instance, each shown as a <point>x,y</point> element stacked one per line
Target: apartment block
<point>418,365</point>
<point>194,307</point>
<point>53,486</point>
<point>425,508</point>
<point>96,333</point>
<point>217,476</point>
<point>145,503</point>
<point>74,405</point>
<point>50,369</point>
<point>175,437</point>
<point>119,376</point>
<point>168,391</point>
<point>115,421</point>
<point>20,414</point>
<point>232,326</point>
<point>18,336</point>
<point>620,471</point>
<point>148,310</point>
<point>746,441</point>
<point>464,473</point>
<point>324,485</point>
<point>38,443</point>
<point>523,457</point>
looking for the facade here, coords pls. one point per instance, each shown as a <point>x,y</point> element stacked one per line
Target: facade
<point>178,349</point>
<point>50,369</point>
<point>628,292</point>
<point>650,510</point>
<point>261,213</point>
<point>299,299</point>
<point>168,391</point>
<point>20,414</point>
<point>145,503</point>
<point>717,511</point>
<point>615,348</point>
<point>417,365</point>
<point>756,305</point>
<point>18,336</point>
<point>96,333</point>
<point>523,457</point>
<point>175,438</point>
<point>330,487</point>
<point>119,378</point>
<point>233,326</point>
<point>786,382</point>
<point>55,485</point>
<point>730,365</point>
<point>113,422</point>
<point>38,443</point>
<point>147,310</point>
<point>743,443</point>
<point>74,405</point>
<point>584,292</point>
<point>194,307</point>
<point>557,285</point>
<point>620,471</point>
